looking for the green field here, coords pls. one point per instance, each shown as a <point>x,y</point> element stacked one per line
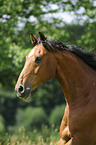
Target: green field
<point>22,137</point>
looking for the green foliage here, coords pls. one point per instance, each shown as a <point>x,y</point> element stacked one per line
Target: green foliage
<point>88,38</point>
<point>31,117</point>
<point>57,115</point>
<point>2,125</point>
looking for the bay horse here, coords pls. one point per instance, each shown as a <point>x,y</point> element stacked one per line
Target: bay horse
<point>75,70</point>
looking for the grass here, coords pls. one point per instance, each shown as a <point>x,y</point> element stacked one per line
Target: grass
<point>22,137</point>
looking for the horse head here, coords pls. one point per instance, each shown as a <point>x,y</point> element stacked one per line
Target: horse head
<point>39,67</point>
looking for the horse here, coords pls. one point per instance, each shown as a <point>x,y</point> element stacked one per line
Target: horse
<point>75,70</point>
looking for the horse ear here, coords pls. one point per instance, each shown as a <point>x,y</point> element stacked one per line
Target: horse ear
<point>41,36</point>
<point>33,39</point>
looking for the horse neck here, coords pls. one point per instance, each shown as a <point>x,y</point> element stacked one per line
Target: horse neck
<point>76,77</point>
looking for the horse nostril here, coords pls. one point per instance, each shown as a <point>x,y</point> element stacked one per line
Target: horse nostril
<point>21,89</point>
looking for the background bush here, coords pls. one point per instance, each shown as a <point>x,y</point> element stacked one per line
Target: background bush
<point>31,117</point>
<point>57,115</point>
<point>2,124</point>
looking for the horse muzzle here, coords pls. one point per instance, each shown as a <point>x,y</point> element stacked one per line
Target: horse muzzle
<point>23,92</point>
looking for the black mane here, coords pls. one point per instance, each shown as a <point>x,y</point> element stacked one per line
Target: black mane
<point>88,57</point>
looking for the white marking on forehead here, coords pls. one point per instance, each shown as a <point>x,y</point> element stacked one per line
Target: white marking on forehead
<point>31,53</point>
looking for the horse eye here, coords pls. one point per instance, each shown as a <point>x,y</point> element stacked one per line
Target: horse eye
<point>38,59</point>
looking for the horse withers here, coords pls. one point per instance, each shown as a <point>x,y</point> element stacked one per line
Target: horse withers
<point>75,70</point>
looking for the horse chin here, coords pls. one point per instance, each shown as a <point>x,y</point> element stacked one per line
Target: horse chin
<point>25,95</point>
